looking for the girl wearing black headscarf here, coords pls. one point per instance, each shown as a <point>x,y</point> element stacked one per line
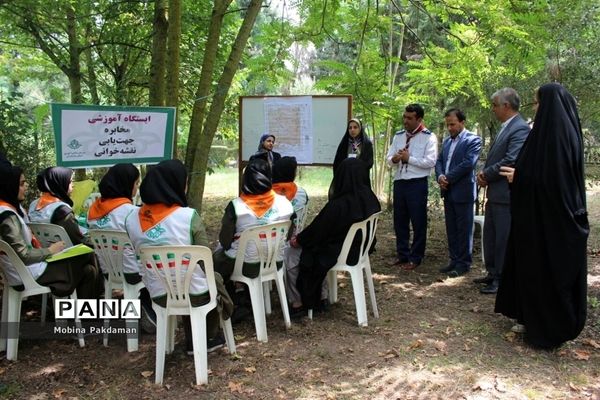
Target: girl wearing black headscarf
<point>257,205</point>
<point>117,187</point>
<point>63,276</point>
<point>354,144</point>
<point>544,281</point>
<point>265,150</point>
<point>54,205</point>
<point>165,219</point>
<point>352,201</point>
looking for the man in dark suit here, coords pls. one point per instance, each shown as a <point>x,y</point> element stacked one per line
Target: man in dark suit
<point>455,173</point>
<point>504,152</point>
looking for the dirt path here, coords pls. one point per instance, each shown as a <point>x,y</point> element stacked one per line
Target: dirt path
<point>436,338</point>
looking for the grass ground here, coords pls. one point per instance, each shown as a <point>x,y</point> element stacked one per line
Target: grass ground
<point>436,338</point>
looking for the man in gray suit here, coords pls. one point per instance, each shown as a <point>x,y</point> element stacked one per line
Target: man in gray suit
<point>504,151</point>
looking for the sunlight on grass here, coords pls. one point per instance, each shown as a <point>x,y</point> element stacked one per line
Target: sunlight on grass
<point>224,181</point>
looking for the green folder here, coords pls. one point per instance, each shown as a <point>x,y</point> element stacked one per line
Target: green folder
<point>73,251</point>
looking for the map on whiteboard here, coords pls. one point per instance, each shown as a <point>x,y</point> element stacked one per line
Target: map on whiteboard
<point>290,121</point>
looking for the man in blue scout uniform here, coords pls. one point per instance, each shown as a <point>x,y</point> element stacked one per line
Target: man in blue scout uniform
<point>413,154</point>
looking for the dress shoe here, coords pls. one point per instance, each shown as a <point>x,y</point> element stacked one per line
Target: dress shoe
<point>409,266</point>
<point>490,288</point>
<point>455,273</point>
<point>396,262</point>
<point>484,279</point>
<point>446,269</point>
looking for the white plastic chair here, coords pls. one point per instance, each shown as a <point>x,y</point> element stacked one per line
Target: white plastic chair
<point>367,229</point>
<point>480,220</point>
<point>48,234</point>
<point>109,246</point>
<point>12,299</point>
<point>174,267</point>
<point>269,240</point>
<point>87,203</point>
<point>301,214</point>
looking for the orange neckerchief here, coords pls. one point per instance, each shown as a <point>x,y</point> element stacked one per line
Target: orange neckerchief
<point>101,207</point>
<point>259,203</point>
<point>45,199</point>
<point>152,214</point>
<point>35,243</point>
<point>287,189</point>
<point>4,203</point>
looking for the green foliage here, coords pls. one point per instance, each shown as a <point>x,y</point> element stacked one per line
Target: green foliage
<point>24,137</point>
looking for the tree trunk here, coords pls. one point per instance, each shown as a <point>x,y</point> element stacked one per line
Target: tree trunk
<point>159,49</point>
<point>173,41</point>
<point>74,74</point>
<point>201,151</point>
<point>206,78</point>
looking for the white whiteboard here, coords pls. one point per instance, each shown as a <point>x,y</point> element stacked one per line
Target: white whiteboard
<point>329,117</point>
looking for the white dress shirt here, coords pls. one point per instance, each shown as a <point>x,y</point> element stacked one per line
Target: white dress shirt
<point>423,155</point>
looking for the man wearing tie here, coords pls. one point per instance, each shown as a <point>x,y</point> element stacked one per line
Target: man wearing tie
<point>455,173</point>
<point>413,153</point>
<point>504,152</point>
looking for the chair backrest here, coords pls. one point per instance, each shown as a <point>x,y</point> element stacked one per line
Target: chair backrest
<point>24,273</point>
<point>301,215</point>
<point>268,240</point>
<point>50,233</point>
<point>367,229</point>
<point>174,266</point>
<point>109,246</point>
<point>87,203</point>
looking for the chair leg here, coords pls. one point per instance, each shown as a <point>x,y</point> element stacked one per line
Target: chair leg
<point>14,317</point>
<point>44,307</point>
<point>359,295</point>
<point>78,327</point>
<point>171,333</point>
<point>228,333</point>
<point>130,292</point>
<point>107,296</point>
<point>200,347</point>
<point>258,310</point>
<point>162,331</point>
<point>132,338</point>
<point>283,299</point>
<point>369,276</point>
<point>4,327</point>
<point>332,284</point>
<point>267,296</point>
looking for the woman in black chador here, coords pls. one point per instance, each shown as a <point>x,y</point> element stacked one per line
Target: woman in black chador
<point>544,282</point>
<point>352,201</point>
<point>354,144</point>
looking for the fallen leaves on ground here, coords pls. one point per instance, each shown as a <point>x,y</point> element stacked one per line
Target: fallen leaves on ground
<point>579,354</point>
<point>391,353</point>
<point>417,344</point>
<point>591,343</point>
<point>235,387</point>
<point>440,346</point>
<point>510,336</point>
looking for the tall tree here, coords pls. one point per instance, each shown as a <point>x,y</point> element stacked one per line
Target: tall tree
<point>204,124</point>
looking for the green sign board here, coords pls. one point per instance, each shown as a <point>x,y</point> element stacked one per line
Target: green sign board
<point>93,136</point>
